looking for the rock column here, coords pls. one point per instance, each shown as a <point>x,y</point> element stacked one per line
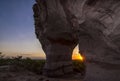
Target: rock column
<point>56,35</point>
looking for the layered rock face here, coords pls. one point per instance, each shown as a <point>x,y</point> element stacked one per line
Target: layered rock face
<point>99,34</point>
<point>57,36</point>
<point>99,39</point>
<point>59,24</point>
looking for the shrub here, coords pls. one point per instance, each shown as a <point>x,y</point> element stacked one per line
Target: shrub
<point>79,66</point>
<point>1,55</point>
<point>36,66</point>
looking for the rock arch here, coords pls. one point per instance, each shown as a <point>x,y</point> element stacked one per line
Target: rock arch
<point>61,24</point>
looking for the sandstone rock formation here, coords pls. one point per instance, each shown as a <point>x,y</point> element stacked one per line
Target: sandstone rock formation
<point>57,36</point>
<point>59,24</point>
<point>99,33</point>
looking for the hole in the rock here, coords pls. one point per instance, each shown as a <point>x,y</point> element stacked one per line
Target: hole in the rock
<point>78,61</point>
<point>76,55</point>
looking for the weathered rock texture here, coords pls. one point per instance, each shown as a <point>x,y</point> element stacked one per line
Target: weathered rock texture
<point>99,34</point>
<point>59,24</point>
<point>58,37</point>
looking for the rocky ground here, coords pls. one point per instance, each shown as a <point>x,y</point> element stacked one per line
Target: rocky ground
<point>100,71</point>
<point>11,73</point>
<point>96,71</point>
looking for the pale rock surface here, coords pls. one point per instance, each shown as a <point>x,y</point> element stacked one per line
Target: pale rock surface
<point>62,24</point>
<point>56,35</point>
<point>99,34</point>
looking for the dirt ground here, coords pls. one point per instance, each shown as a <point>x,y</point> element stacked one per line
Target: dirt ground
<point>99,71</point>
<point>95,71</point>
<point>10,73</point>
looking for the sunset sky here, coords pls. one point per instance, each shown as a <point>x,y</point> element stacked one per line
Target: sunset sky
<point>17,35</point>
<point>17,29</point>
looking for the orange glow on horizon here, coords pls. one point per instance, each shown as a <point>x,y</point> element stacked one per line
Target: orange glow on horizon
<point>76,55</point>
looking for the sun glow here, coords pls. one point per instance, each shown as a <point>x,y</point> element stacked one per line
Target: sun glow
<point>76,55</point>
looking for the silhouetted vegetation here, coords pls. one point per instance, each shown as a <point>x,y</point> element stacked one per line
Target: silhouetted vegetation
<point>35,66</point>
<point>79,66</point>
<point>26,63</point>
<point>1,55</point>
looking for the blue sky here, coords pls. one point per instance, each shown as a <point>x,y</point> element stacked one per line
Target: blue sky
<point>17,28</point>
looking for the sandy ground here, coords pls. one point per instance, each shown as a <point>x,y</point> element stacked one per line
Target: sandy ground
<point>95,72</point>
<point>10,73</point>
